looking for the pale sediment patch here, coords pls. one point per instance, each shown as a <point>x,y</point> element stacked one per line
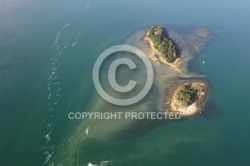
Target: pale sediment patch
<point>101,130</point>
<point>187,111</point>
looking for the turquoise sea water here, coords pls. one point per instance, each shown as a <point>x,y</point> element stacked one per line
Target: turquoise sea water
<point>47,53</point>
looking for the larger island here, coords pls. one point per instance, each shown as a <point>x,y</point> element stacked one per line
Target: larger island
<point>185,97</point>
<point>162,49</point>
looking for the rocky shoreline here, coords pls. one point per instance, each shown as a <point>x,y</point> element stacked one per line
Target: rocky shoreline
<point>155,56</point>
<point>189,110</point>
<point>191,44</point>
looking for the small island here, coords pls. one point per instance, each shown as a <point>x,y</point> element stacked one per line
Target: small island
<point>185,97</point>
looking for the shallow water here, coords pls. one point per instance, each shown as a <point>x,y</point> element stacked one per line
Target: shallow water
<point>47,53</point>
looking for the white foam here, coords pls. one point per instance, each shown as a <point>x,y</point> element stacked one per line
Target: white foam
<point>49,155</point>
<point>55,93</point>
<point>66,25</point>
<point>51,147</point>
<point>56,40</point>
<point>56,102</point>
<point>78,154</point>
<point>55,66</point>
<point>49,77</point>
<point>66,46</point>
<point>55,77</point>
<point>48,125</point>
<point>74,44</point>
<point>87,131</point>
<point>105,162</point>
<point>48,137</point>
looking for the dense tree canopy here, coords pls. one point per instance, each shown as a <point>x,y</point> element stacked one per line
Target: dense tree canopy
<point>187,94</point>
<point>163,44</point>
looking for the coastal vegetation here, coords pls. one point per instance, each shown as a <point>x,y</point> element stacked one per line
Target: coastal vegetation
<point>187,97</point>
<point>184,97</point>
<point>163,44</point>
<point>188,94</point>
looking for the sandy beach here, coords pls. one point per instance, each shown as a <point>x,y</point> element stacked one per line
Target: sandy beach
<point>155,56</point>
<point>170,104</point>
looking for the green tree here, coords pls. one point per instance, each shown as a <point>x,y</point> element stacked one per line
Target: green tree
<point>163,44</point>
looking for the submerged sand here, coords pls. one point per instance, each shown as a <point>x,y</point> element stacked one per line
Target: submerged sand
<point>166,78</point>
<point>169,103</point>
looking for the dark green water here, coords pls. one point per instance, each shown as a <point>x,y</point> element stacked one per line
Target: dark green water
<point>47,53</point>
